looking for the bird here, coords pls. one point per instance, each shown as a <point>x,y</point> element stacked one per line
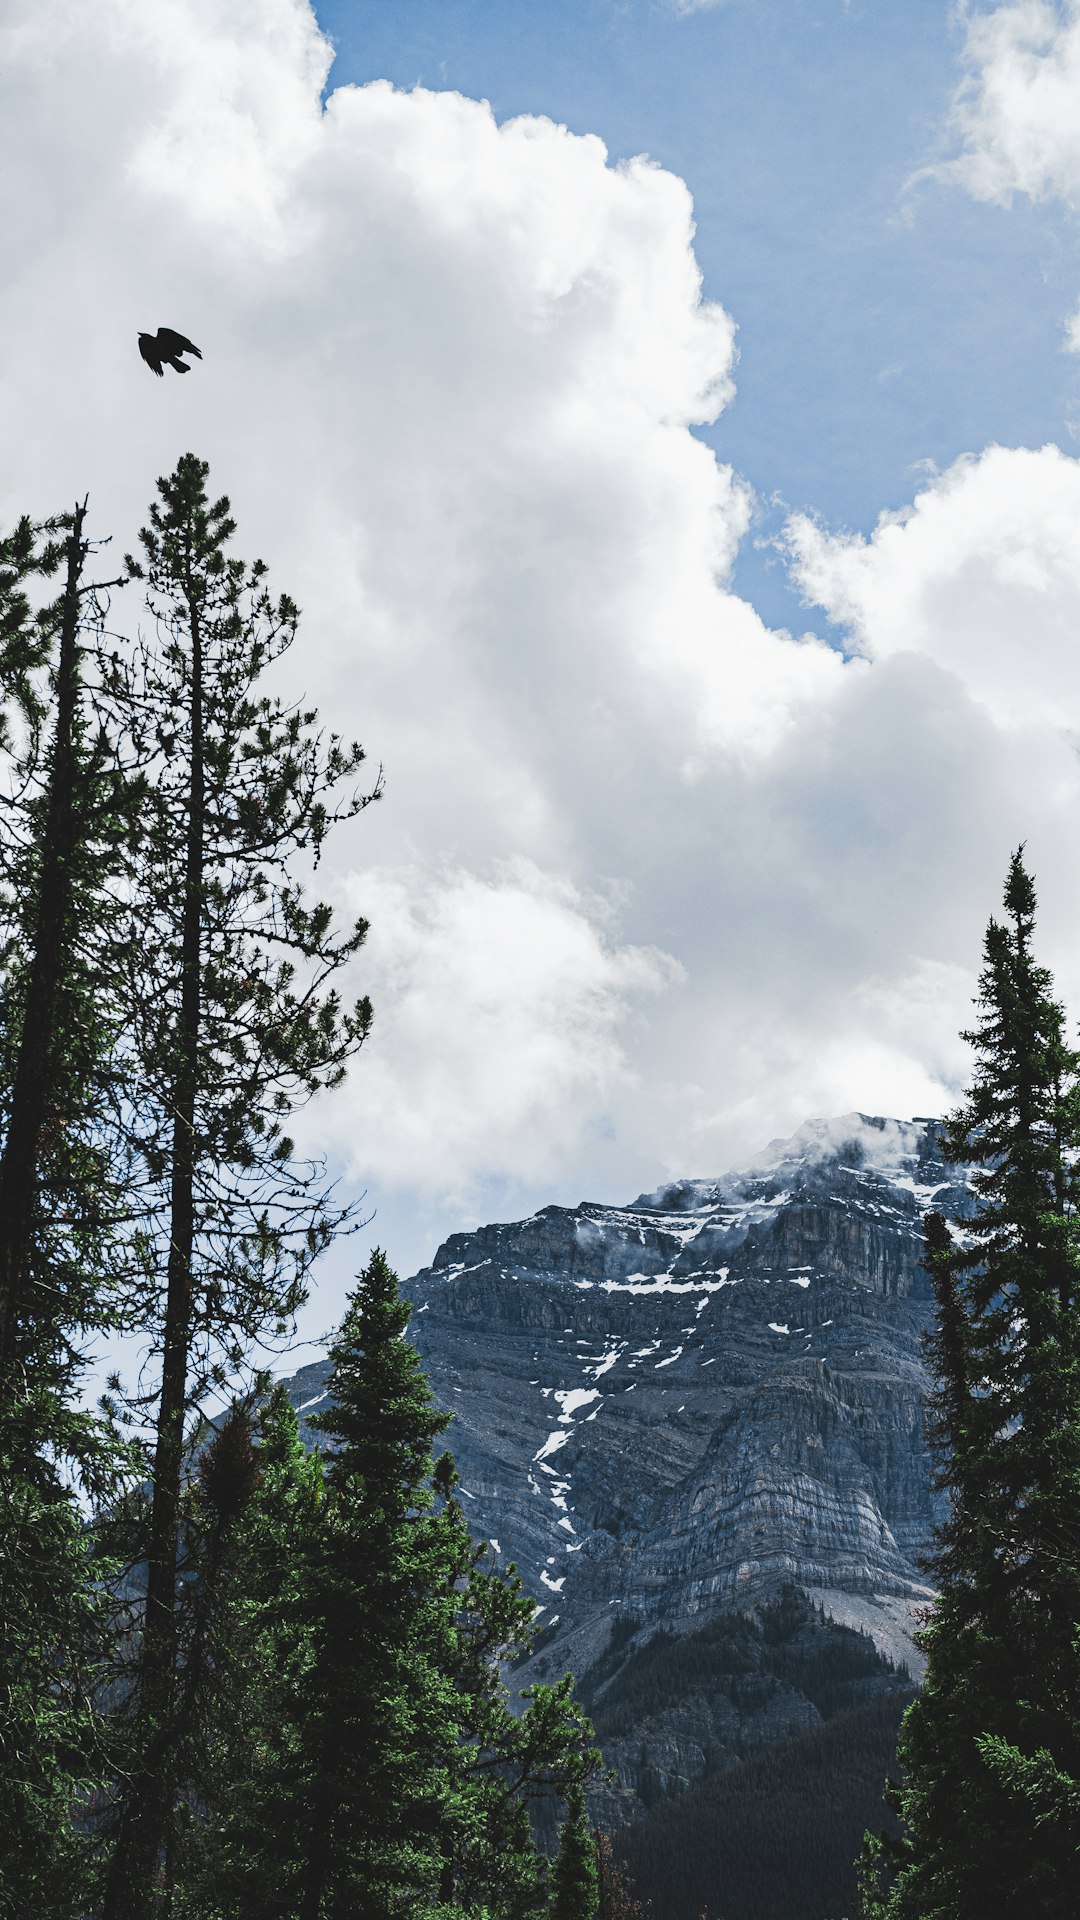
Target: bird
<point>163,349</point>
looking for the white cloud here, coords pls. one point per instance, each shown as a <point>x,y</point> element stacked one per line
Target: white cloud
<point>981,573</point>
<point>1015,117</point>
<point>451,375</point>
<point>920,1016</point>
<point>501,1000</point>
<point>1016,114</point>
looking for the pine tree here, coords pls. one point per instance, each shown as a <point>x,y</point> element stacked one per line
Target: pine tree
<point>502,1764</point>
<point>374,1764</point>
<point>991,1749</point>
<point>215,1507</point>
<point>63,809</point>
<point>246,1781</point>
<point>576,1879</point>
<point>53,1038</point>
<point>385,1601</point>
<point>233,1023</point>
<point>433,1802</point>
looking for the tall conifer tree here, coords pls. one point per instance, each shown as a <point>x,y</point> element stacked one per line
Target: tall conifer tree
<point>63,807</point>
<point>422,1776</point>
<point>234,1022</point>
<point>368,1759</point>
<point>385,1600</point>
<point>246,1778</point>
<point>576,1879</point>
<point>991,1749</point>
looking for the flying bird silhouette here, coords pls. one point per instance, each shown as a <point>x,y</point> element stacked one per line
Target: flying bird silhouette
<point>163,349</point>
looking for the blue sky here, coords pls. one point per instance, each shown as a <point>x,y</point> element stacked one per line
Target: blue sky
<point>881,325</point>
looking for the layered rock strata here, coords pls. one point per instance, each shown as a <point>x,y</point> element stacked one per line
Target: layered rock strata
<point>675,1407</point>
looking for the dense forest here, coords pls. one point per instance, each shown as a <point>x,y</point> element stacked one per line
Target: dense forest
<point>774,1830</point>
<point>242,1679</point>
<point>785,1645</point>
<point>777,1836</point>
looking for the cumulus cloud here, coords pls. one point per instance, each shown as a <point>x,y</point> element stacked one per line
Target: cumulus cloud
<point>1015,117</point>
<point>1017,111</point>
<point>981,573</point>
<point>650,882</point>
<point>497,1044</point>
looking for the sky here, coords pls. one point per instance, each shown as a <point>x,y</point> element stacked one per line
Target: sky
<point>666,417</point>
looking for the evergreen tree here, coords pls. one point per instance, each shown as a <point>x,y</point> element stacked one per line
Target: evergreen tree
<point>54,1038</point>
<point>233,1022</point>
<point>62,811</point>
<point>991,1749</point>
<point>576,1879</point>
<point>212,1564</point>
<point>503,1764</point>
<point>424,1777</point>
<point>247,1787</point>
<point>385,1600</point>
<point>364,1758</point>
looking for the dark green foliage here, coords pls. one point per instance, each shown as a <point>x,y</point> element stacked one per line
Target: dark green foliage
<point>788,1645</point>
<point>575,1880</point>
<point>62,813</point>
<point>421,1775</point>
<point>772,1837</point>
<point>214,1568</point>
<point>764,1833</point>
<point>231,977</point>
<point>65,809</point>
<point>233,1022</point>
<point>255,1796</point>
<point>384,1602</point>
<point>54,1649</point>
<point>255,1683</point>
<point>354,1751</point>
<point>246,1652</point>
<point>991,1750</point>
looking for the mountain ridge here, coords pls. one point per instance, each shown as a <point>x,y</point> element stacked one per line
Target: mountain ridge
<point>686,1402</point>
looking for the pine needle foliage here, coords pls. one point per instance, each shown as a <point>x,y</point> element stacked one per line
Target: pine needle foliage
<point>234,1022</point>
<point>62,811</point>
<point>361,1754</point>
<point>575,1893</point>
<point>990,1751</point>
<point>423,1775</point>
<point>246,1788</point>
<point>384,1603</point>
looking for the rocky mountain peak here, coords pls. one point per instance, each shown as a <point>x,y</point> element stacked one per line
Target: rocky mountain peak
<point>668,1408</point>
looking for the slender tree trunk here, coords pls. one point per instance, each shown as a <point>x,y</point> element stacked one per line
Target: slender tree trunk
<point>33,1083</point>
<point>144,1826</point>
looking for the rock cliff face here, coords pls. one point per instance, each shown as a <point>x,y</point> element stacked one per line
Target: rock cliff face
<point>668,1410</point>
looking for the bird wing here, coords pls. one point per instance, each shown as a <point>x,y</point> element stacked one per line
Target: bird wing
<point>169,341</point>
<point>147,350</point>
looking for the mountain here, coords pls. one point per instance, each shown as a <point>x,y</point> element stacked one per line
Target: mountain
<point>672,1413</point>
